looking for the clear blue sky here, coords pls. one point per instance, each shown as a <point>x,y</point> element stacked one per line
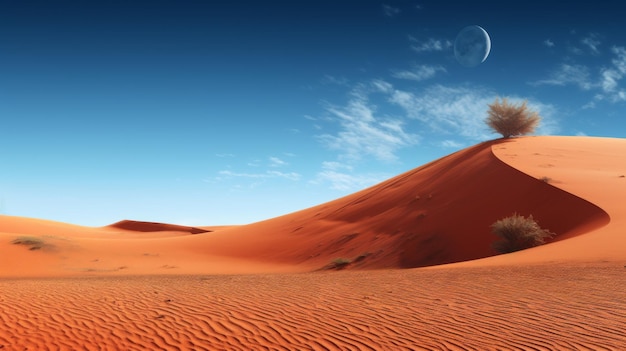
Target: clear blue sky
<point>228,112</point>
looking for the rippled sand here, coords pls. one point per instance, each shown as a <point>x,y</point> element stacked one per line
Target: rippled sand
<point>523,308</point>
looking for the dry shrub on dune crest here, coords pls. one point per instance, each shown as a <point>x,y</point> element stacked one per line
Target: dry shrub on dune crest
<point>518,233</point>
<point>510,120</point>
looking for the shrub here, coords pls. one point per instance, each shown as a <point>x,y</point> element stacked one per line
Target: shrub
<point>510,119</point>
<point>340,263</point>
<point>32,242</point>
<point>518,233</point>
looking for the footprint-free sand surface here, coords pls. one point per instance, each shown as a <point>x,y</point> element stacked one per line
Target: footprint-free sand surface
<point>422,273</point>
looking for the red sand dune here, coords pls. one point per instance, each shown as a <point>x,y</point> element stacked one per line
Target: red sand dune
<point>139,226</point>
<point>565,295</point>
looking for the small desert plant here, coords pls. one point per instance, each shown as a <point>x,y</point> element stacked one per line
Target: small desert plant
<point>510,119</point>
<point>362,256</point>
<point>546,179</point>
<point>518,233</point>
<point>32,242</point>
<point>340,263</point>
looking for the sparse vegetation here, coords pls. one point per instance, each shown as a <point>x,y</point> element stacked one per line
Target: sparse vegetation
<point>362,256</point>
<point>340,263</point>
<point>33,243</point>
<point>511,120</point>
<point>518,233</point>
<point>546,179</point>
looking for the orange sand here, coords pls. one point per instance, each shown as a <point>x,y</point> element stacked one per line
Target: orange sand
<point>137,285</point>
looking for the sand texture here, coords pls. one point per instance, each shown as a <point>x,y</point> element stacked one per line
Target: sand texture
<point>404,265</point>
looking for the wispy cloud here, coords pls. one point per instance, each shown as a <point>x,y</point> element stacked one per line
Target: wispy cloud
<point>267,174</point>
<point>612,75</point>
<point>429,45</point>
<point>606,81</point>
<point>332,80</point>
<point>419,72</point>
<point>390,11</point>
<point>333,166</point>
<point>567,74</point>
<point>276,162</point>
<point>549,43</point>
<point>460,110</point>
<point>592,42</point>
<point>287,175</point>
<point>363,133</point>
<point>342,177</point>
<point>450,144</point>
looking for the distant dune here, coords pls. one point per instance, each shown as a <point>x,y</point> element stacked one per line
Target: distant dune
<point>143,285</point>
<point>156,227</point>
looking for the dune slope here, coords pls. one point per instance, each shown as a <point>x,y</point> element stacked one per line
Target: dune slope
<point>438,213</point>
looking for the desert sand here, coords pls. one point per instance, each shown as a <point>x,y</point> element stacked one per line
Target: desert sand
<point>419,273</point>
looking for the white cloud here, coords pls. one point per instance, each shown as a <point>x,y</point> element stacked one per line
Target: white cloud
<point>287,175</point>
<point>268,174</point>
<point>362,133</point>
<point>461,110</point>
<point>568,74</point>
<point>606,80</point>
<point>381,86</point>
<point>333,166</point>
<point>611,77</point>
<point>592,42</point>
<point>620,61</point>
<point>419,72</point>
<point>332,80</point>
<point>348,182</point>
<point>254,163</point>
<point>448,110</point>
<point>276,162</point>
<point>549,43</point>
<point>450,144</point>
<point>589,105</point>
<point>429,45</point>
<point>390,11</point>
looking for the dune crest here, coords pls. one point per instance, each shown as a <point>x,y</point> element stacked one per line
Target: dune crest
<point>140,226</point>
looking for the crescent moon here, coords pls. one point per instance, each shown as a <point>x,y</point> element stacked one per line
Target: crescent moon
<point>472,46</point>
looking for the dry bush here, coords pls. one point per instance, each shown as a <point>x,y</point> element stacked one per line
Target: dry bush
<point>32,242</point>
<point>510,119</point>
<point>518,233</point>
<point>340,263</point>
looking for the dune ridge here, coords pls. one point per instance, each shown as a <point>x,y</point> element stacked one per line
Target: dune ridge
<point>140,226</point>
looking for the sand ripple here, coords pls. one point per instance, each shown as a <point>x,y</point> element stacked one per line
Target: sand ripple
<point>529,308</point>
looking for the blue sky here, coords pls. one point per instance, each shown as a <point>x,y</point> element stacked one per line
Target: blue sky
<point>229,112</point>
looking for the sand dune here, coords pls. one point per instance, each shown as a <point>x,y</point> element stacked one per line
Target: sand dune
<point>438,213</point>
<point>142,285</point>
<point>140,226</point>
